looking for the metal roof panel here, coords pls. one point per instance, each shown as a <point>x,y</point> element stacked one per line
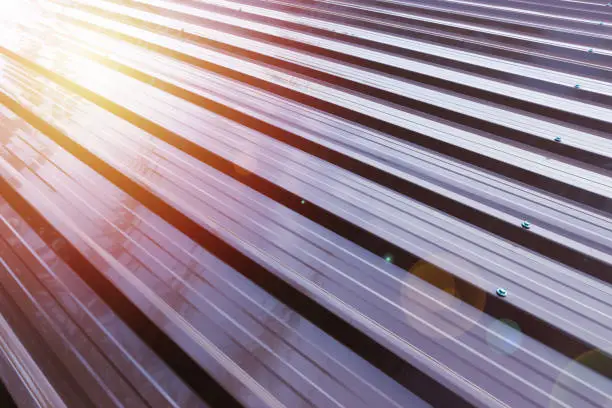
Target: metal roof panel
<point>309,203</point>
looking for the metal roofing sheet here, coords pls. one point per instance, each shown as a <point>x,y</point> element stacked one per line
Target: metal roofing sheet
<point>315,202</point>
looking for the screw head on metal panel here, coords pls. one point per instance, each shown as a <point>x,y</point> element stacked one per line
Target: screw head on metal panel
<point>577,86</point>
<point>558,139</point>
<point>303,202</point>
<point>501,292</point>
<point>389,258</point>
<point>590,50</point>
<point>526,224</point>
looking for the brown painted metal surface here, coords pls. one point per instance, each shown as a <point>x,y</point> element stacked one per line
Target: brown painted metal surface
<point>332,203</point>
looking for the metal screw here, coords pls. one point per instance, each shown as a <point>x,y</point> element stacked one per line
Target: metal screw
<point>501,292</point>
<point>303,202</point>
<point>590,50</point>
<point>388,258</point>
<point>558,139</point>
<point>526,224</point>
<point>577,86</point>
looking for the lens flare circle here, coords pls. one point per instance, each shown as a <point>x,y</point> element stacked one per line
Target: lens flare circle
<point>454,308</point>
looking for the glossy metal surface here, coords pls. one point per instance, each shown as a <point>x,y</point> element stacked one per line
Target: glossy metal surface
<point>306,203</point>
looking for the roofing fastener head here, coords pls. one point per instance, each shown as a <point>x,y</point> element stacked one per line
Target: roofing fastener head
<point>590,50</point>
<point>303,202</point>
<point>501,292</point>
<point>558,139</point>
<point>577,86</point>
<point>526,224</point>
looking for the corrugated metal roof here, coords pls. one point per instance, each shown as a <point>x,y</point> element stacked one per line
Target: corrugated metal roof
<point>306,203</point>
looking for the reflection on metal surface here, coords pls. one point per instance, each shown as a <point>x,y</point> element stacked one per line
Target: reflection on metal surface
<point>305,203</point>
